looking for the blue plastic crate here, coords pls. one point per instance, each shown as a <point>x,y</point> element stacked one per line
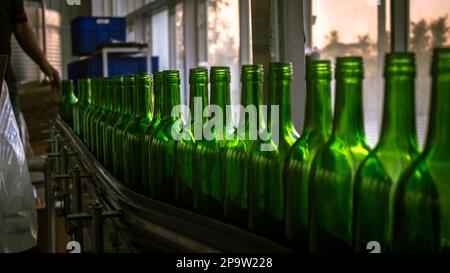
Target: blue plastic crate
<point>117,66</point>
<point>90,32</point>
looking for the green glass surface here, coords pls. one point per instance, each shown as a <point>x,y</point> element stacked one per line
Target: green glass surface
<point>134,133</point>
<point>148,167</point>
<point>77,108</point>
<point>378,176</point>
<point>105,113</point>
<point>184,149</point>
<point>208,187</point>
<point>422,200</point>
<point>67,101</point>
<point>163,143</point>
<point>316,132</point>
<point>237,150</point>
<point>120,127</point>
<point>333,169</point>
<point>88,113</point>
<point>265,168</point>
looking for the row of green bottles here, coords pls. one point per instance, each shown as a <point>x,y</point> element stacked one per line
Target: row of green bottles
<point>325,190</point>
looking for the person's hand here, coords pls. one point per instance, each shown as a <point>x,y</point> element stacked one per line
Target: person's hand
<point>53,76</point>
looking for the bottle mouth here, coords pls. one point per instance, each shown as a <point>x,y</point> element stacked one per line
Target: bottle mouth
<point>198,75</point>
<point>441,61</point>
<point>129,80</point>
<point>171,76</point>
<point>143,75</point>
<point>158,75</point>
<point>110,82</point>
<point>280,71</point>
<point>318,69</point>
<point>220,74</point>
<point>400,64</point>
<point>252,73</point>
<point>349,67</point>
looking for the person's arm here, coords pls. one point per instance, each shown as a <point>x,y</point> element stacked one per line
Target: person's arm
<point>25,37</point>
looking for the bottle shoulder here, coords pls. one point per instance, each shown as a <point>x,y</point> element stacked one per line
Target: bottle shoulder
<point>337,155</point>
<point>310,141</point>
<point>421,181</point>
<point>387,163</point>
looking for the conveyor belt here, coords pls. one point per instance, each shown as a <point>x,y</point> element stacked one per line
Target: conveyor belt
<point>160,225</point>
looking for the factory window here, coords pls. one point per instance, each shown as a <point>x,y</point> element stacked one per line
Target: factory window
<point>430,27</point>
<point>160,38</point>
<point>223,40</point>
<point>179,48</point>
<point>343,28</point>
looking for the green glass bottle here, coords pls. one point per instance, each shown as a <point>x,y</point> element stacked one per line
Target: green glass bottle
<point>332,171</point>
<point>67,101</point>
<point>134,133</point>
<point>120,127</point>
<point>422,200</point>
<point>84,85</point>
<point>184,149</point>
<point>88,113</point>
<point>378,176</point>
<point>265,168</point>
<point>115,108</point>
<point>163,143</point>
<point>237,149</point>
<point>98,97</point>
<point>316,132</point>
<point>208,187</point>
<point>148,168</point>
<point>105,113</point>
<point>140,84</point>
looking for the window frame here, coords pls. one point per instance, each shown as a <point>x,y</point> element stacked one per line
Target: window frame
<point>399,22</point>
<point>195,22</point>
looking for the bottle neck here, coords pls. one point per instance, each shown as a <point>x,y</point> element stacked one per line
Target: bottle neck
<point>127,101</point>
<point>117,107</point>
<point>138,102</point>
<point>439,128</point>
<point>95,94</point>
<point>143,90</point>
<point>349,118</point>
<point>159,102</point>
<point>200,91</point>
<point>220,96</point>
<point>280,95</point>
<point>103,96</point>
<point>109,98</point>
<point>81,97</point>
<point>251,97</point>
<point>399,112</point>
<point>87,94</point>
<point>172,99</point>
<point>69,92</point>
<point>318,115</point>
